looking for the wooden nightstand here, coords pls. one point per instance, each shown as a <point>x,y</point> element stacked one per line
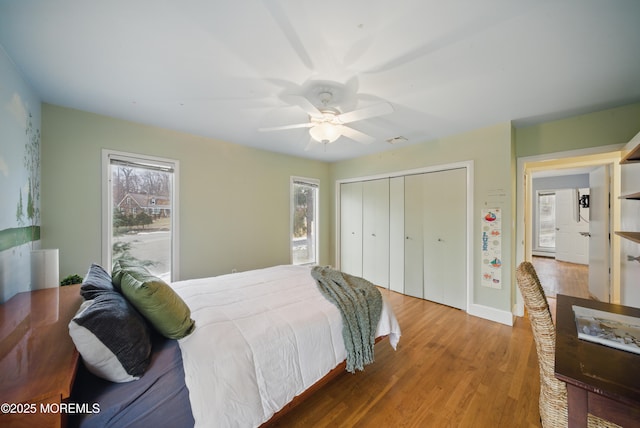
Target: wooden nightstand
<point>38,360</point>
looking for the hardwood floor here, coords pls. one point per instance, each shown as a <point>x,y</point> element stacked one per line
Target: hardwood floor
<point>559,277</point>
<point>450,370</point>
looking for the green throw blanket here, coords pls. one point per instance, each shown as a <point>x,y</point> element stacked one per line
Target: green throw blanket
<point>360,303</point>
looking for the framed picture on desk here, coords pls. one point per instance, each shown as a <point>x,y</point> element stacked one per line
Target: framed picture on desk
<point>601,380</point>
<point>609,329</point>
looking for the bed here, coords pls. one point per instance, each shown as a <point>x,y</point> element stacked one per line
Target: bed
<point>261,339</point>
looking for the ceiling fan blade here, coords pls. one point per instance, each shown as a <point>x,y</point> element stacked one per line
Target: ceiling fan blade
<point>303,103</point>
<point>365,113</point>
<point>284,22</point>
<point>280,128</point>
<point>356,135</point>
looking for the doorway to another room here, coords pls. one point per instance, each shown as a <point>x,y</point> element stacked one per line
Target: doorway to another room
<point>571,207</point>
<point>561,231</point>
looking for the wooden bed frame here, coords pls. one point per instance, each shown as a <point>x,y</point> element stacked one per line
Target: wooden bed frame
<point>337,371</point>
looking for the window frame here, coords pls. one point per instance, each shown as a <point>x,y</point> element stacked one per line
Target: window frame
<point>107,202</point>
<point>314,182</point>
<point>538,246</point>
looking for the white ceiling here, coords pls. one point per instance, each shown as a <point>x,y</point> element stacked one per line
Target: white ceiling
<point>222,69</point>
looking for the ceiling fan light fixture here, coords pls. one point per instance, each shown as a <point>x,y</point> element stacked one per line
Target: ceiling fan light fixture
<point>325,132</point>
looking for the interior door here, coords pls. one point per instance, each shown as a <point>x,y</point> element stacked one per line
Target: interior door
<point>351,228</point>
<point>375,231</point>
<point>599,228</point>
<point>444,237</point>
<point>572,241</point>
<point>581,250</point>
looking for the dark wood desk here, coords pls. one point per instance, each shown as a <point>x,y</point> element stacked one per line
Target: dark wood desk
<point>602,381</point>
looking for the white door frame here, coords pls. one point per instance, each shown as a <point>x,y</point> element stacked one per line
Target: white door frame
<point>561,160</point>
<point>470,192</point>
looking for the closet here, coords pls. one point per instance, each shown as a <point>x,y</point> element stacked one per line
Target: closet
<point>364,237</point>
<point>408,233</point>
<point>435,237</point>
<point>351,228</point>
<point>375,231</point>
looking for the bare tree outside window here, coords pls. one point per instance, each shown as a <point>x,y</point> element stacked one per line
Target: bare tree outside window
<point>141,220</point>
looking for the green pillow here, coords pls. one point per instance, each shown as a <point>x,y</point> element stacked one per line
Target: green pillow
<point>157,302</point>
<point>119,268</point>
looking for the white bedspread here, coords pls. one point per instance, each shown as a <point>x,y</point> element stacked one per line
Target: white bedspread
<point>262,337</point>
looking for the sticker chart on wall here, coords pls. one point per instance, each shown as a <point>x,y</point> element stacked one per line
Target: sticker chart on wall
<point>491,268</point>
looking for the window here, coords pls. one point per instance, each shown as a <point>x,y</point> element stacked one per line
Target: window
<point>304,220</point>
<point>546,221</point>
<point>140,218</point>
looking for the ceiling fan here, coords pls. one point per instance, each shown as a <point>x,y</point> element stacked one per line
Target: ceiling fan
<point>326,123</point>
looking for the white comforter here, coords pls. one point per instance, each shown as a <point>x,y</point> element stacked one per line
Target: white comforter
<point>262,337</point>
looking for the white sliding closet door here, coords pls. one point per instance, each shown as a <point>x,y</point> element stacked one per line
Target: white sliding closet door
<point>375,231</point>
<point>396,234</point>
<point>351,228</point>
<point>444,210</point>
<point>413,246</point>
<point>408,234</point>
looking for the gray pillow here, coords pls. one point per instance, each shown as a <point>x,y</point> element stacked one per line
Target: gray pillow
<point>95,282</point>
<point>112,337</point>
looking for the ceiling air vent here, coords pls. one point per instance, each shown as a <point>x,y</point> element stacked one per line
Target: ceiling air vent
<point>396,140</point>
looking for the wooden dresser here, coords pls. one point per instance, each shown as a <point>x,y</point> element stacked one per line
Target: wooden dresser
<point>38,360</point>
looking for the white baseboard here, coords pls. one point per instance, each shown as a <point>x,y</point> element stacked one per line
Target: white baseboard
<point>491,314</point>
<point>543,254</point>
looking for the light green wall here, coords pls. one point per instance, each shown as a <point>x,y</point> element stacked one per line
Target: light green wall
<point>606,127</point>
<point>234,200</point>
<point>492,151</point>
<point>19,178</point>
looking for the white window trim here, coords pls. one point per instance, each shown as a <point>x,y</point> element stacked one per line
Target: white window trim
<point>538,250</point>
<point>107,204</point>
<point>315,182</point>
